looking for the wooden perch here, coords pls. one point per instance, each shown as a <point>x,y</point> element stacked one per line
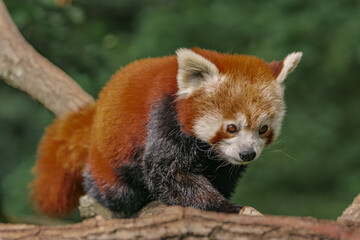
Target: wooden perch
<point>188,223</point>
<point>22,67</point>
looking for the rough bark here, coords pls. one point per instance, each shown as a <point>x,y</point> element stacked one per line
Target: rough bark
<point>188,223</point>
<point>352,213</point>
<point>24,68</point>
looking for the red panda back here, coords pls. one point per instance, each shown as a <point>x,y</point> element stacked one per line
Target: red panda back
<point>62,155</point>
<point>123,108</point>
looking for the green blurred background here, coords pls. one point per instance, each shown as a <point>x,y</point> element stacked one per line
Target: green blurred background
<point>314,167</point>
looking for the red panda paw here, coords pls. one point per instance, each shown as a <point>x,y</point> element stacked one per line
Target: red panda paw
<point>249,211</point>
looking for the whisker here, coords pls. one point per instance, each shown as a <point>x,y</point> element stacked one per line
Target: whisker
<point>223,164</point>
<point>231,171</point>
<point>286,154</point>
<point>272,152</point>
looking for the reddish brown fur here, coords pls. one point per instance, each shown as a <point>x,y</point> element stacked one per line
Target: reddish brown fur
<point>62,156</point>
<point>120,123</point>
<point>221,134</point>
<point>249,78</point>
<point>269,137</point>
<point>119,129</point>
<point>122,113</point>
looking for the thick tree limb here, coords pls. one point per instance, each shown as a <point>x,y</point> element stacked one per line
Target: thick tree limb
<point>188,223</point>
<point>24,68</point>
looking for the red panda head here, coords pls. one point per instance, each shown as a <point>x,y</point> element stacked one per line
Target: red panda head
<point>233,102</point>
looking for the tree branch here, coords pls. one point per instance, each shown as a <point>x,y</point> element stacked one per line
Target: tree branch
<point>24,68</point>
<point>188,223</point>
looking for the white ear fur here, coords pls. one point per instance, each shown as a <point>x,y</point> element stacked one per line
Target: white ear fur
<point>289,64</point>
<point>193,70</point>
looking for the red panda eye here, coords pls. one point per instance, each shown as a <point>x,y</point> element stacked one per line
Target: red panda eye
<point>263,129</point>
<point>231,128</point>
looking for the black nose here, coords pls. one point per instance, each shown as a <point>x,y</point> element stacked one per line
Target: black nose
<point>247,155</point>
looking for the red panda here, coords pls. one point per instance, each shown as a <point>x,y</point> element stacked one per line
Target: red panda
<point>165,128</point>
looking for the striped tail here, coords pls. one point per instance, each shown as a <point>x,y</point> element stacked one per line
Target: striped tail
<point>62,155</point>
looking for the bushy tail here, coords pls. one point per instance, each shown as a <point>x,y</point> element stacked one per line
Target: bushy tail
<point>62,156</point>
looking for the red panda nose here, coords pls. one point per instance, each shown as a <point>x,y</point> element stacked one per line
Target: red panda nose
<point>247,155</point>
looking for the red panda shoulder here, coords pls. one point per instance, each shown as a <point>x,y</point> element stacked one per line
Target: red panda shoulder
<point>123,108</point>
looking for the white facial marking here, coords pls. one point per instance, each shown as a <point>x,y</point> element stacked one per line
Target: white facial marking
<point>241,118</point>
<point>277,122</point>
<point>245,140</point>
<point>207,126</point>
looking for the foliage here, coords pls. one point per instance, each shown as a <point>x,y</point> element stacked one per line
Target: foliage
<point>313,169</point>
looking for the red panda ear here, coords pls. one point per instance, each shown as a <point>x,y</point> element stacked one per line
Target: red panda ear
<point>276,67</point>
<point>282,69</point>
<point>193,71</point>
